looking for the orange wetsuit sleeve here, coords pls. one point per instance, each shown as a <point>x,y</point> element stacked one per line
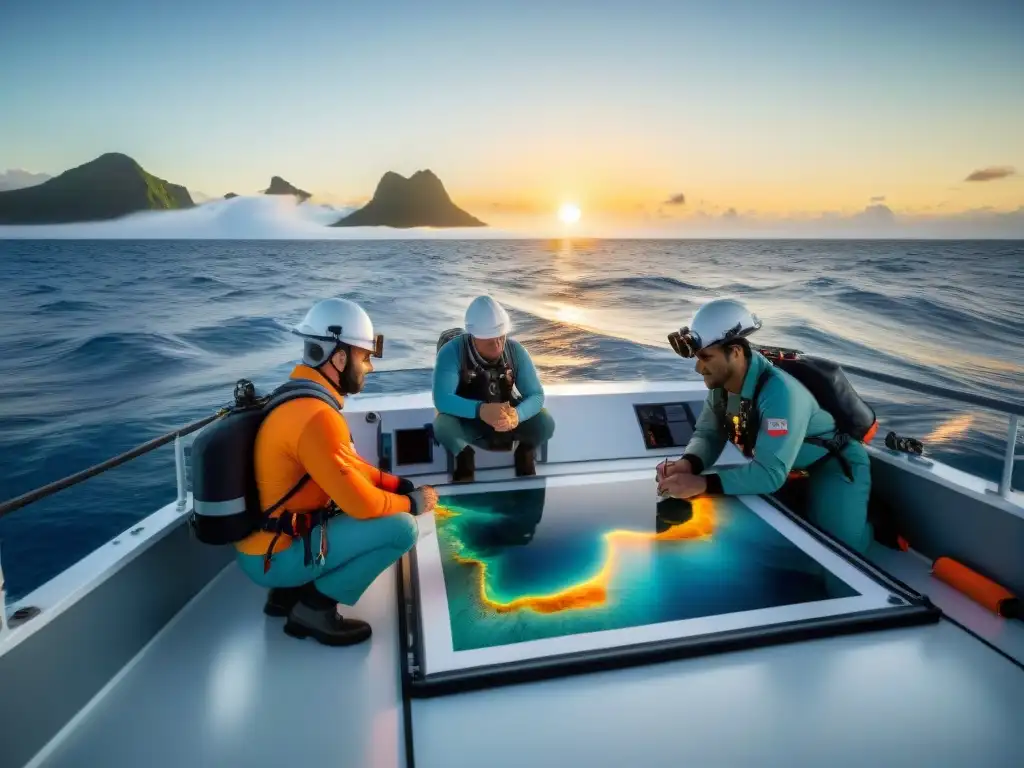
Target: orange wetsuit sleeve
<point>324,451</point>
<point>376,475</point>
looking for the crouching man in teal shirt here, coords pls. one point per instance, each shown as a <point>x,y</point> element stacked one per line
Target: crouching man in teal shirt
<point>487,392</point>
<point>777,423</point>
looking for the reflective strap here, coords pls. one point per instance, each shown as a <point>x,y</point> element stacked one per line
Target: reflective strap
<point>219,508</point>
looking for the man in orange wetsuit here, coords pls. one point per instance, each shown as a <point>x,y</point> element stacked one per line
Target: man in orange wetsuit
<point>305,444</point>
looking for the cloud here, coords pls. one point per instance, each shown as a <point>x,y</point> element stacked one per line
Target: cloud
<point>876,214</point>
<point>16,178</point>
<point>262,217</point>
<point>677,199</point>
<point>878,199</point>
<point>251,217</point>
<point>874,221</point>
<point>992,173</point>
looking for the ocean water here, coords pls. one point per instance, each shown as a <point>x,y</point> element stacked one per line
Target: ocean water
<point>545,562</point>
<point>105,344</point>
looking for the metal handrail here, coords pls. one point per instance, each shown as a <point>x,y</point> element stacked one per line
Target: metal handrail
<point>1001,406</point>
<point>51,488</point>
<point>1014,410</point>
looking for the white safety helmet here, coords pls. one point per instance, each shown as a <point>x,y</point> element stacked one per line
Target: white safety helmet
<point>713,323</point>
<point>337,321</point>
<point>487,319</point>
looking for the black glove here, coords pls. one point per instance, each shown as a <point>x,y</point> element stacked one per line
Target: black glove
<point>416,503</point>
<point>405,486</point>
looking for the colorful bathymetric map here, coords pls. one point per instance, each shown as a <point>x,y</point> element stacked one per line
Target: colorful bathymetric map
<point>541,562</point>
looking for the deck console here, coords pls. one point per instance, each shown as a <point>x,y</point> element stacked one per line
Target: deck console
<point>665,425</point>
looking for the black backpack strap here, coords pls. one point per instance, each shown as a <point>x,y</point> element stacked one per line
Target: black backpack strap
<point>761,381</point>
<point>833,446</point>
<point>510,358</point>
<point>297,388</point>
<point>507,359</point>
<point>466,364</point>
<point>719,404</point>
<point>293,390</point>
<point>276,526</point>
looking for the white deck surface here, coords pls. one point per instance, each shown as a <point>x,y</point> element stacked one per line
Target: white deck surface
<point>223,686</point>
<point>914,570</point>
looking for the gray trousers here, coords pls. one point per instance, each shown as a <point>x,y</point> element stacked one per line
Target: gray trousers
<point>455,433</point>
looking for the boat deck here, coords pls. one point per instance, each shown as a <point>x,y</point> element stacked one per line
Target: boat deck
<point>222,685</point>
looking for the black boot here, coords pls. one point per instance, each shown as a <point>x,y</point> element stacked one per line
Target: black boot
<point>281,600</point>
<point>325,625</point>
<point>465,466</point>
<point>525,460</point>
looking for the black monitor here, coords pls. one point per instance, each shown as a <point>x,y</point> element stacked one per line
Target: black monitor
<point>413,446</point>
<point>665,425</point>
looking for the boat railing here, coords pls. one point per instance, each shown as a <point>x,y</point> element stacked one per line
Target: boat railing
<point>1010,409</point>
<point>1014,411</point>
<point>174,436</point>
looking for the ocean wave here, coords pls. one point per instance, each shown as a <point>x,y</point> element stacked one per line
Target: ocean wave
<point>640,283</point>
<point>239,293</point>
<point>235,334</point>
<point>920,312</point>
<point>68,306</point>
<point>743,289</point>
<point>892,267</point>
<point>153,352</point>
<point>38,290</point>
<point>819,342</point>
<point>821,283</point>
<point>128,351</point>
<point>203,281</point>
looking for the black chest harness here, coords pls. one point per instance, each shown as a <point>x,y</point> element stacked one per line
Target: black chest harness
<point>742,429</point>
<point>488,382</point>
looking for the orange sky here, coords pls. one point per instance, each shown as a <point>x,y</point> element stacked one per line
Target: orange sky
<point>780,108</point>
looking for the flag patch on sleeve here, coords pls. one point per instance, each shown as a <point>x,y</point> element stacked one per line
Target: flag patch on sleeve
<point>777,427</point>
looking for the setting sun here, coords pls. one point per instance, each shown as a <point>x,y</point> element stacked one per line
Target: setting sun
<point>569,213</point>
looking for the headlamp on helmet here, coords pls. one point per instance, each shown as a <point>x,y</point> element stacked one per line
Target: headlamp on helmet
<point>716,322</point>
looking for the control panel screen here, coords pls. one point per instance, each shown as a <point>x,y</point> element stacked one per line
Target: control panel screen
<point>665,425</point>
<point>413,446</point>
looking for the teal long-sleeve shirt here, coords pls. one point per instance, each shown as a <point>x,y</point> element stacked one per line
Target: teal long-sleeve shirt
<point>446,381</point>
<point>788,412</point>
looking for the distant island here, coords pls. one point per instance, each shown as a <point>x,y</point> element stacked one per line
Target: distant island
<point>108,187</point>
<point>279,186</point>
<point>419,201</point>
<point>115,185</point>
